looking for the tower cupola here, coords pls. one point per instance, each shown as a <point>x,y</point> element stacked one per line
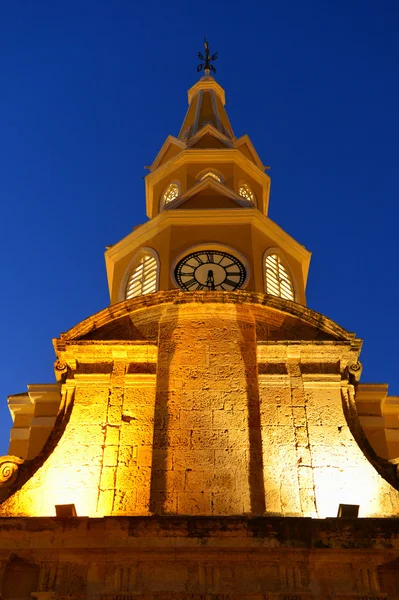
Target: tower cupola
<point>207,196</point>
<point>206,100</point>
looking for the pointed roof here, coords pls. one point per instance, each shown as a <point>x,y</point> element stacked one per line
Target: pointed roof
<point>206,101</point>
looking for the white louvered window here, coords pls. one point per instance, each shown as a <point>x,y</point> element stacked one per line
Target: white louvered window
<point>143,280</point>
<point>278,281</point>
<point>171,193</point>
<point>246,192</point>
<point>211,174</point>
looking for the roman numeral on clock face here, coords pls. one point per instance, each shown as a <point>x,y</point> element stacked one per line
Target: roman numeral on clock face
<point>189,284</point>
<point>230,282</point>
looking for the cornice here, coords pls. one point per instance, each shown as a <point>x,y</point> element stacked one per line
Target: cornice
<point>223,217</point>
<point>208,155</point>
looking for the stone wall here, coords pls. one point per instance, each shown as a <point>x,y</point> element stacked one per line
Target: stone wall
<point>223,406</point>
<point>188,558</point>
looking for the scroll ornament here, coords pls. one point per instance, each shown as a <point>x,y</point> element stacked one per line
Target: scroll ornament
<point>355,369</point>
<point>9,470</point>
<point>60,368</point>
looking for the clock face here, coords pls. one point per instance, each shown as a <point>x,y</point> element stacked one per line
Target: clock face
<point>210,270</point>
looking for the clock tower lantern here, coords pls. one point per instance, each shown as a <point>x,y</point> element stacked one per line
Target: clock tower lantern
<point>207,197</point>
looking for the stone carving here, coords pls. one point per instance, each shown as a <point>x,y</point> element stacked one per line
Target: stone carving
<point>355,369</point>
<point>59,365</point>
<point>9,470</point>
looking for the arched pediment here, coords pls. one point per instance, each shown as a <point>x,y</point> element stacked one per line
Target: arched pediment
<point>277,319</point>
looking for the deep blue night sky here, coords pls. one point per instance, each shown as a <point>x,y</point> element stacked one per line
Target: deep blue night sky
<point>91,89</point>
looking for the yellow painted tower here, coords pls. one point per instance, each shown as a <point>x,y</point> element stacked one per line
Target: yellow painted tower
<point>208,434</point>
<point>207,197</point>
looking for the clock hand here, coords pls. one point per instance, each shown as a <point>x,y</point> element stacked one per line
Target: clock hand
<point>210,282</point>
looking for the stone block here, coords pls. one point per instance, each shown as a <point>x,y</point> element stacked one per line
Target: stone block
<point>88,395</point>
<point>111,435</point>
<point>229,504</point>
<point>229,419</point>
<point>301,436</point>
<point>193,459</point>
<point>299,416</point>
<point>273,500</point>
<point>114,415</point>
<point>269,414</point>
<point>304,456</point>
<point>108,478</point>
<point>195,481</point>
<point>215,438</point>
<point>111,456</point>
<point>144,456</point>
<point>195,419</point>
<point>231,458</point>
<point>305,477</point>
<point>162,459</point>
<point>298,396</point>
<point>164,503</point>
<point>194,503</point>
<point>237,439</point>
<point>167,480</point>
<point>90,414</point>
<point>105,501</point>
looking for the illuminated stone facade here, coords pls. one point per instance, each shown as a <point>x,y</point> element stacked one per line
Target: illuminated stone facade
<point>206,438</point>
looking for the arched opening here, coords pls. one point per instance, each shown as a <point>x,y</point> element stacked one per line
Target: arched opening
<point>245,192</point>
<point>277,279</point>
<point>171,193</point>
<point>210,173</point>
<point>144,277</point>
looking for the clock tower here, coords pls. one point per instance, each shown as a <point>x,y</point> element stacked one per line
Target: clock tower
<point>207,196</point>
<point>204,438</point>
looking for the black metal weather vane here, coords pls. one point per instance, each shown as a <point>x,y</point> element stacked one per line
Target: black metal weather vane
<point>207,60</point>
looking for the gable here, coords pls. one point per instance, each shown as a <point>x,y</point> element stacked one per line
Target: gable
<point>245,146</point>
<point>208,199</point>
<point>209,141</point>
<point>246,152</point>
<point>170,153</point>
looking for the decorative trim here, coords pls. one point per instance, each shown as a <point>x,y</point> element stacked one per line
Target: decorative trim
<point>201,185</point>
<point>162,203</point>
<point>197,112</point>
<point>215,111</point>
<point>212,130</point>
<point>201,174</point>
<point>242,183</point>
<point>9,466</point>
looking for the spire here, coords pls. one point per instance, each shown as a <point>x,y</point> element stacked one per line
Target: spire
<point>206,101</point>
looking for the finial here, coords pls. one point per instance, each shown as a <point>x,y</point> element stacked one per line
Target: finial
<point>206,60</point>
